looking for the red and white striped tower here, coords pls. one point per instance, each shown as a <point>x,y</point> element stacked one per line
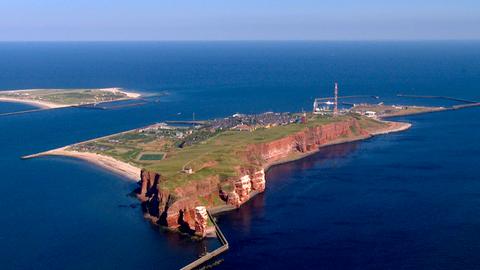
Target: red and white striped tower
<point>335,108</point>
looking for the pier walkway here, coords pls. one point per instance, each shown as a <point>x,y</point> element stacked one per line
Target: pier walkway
<point>210,255</point>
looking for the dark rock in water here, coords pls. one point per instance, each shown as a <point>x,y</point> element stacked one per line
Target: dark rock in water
<point>132,205</point>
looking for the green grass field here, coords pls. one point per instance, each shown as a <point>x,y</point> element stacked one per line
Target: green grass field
<point>224,151</point>
<point>218,156</point>
<point>152,157</point>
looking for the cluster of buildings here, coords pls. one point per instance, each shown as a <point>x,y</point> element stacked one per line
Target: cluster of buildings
<point>105,96</point>
<point>250,122</point>
<point>90,147</point>
<point>162,130</point>
<point>377,110</point>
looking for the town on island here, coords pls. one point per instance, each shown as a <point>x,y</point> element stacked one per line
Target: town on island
<point>188,171</point>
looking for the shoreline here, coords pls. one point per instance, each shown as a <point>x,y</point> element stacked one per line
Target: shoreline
<point>133,173</point>
<point>50,105</point>
<point>396,127</point>
<point>35,103</point>
<point>113,165</point>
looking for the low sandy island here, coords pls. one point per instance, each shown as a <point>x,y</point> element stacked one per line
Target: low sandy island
<point>51,105</point>
<point>132,172</point>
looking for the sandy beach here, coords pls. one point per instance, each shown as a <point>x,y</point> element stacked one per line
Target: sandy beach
<point>129,171</point>
<point>117,89</point>
<point>36,103</point>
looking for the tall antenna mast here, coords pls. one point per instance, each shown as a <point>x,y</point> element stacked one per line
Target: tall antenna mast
<point>335,108</point>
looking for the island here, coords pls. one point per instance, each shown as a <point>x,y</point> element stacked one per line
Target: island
<point>188,171</point>
<point>59,98</point>
<point>218,165</point>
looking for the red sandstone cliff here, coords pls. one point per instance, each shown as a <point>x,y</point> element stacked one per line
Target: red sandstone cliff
<point>177,209</point>
<point>174,209</point>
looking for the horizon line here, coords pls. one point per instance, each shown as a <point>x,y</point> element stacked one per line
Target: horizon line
<point>245,40</point>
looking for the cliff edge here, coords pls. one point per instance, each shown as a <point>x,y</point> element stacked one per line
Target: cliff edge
<point>175,206</point>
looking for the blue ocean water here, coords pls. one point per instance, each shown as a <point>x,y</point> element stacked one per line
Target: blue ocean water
<point>400,201</point>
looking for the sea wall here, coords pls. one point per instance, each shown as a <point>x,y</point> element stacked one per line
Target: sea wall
<point>177,208</point>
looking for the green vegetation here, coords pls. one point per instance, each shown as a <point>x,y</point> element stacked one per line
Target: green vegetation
<point>137,148</point>
<point>209,223</point>
<point>152,156</point>
<point>369,123</point>
<point>209,153</point>
<point>220,155</point>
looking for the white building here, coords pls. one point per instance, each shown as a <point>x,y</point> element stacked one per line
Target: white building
<point>371,114</point>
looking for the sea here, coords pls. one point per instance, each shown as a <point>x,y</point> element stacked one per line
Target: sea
<point>408,200</point>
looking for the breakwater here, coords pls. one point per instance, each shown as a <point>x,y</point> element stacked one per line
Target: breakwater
<point>210,255</point>
<point>95,106</point>
<point>100,106</point>
<point>438,97</point>
<point>24,112</point>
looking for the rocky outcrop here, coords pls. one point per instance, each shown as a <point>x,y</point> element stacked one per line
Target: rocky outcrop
<point>201,221</point>
<point>258,181</point>
<point>179,208</point>
<point>174,209</point>
<point>244,186</point>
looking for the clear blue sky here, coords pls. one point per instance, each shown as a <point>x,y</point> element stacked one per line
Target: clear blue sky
<point>238,19</point>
